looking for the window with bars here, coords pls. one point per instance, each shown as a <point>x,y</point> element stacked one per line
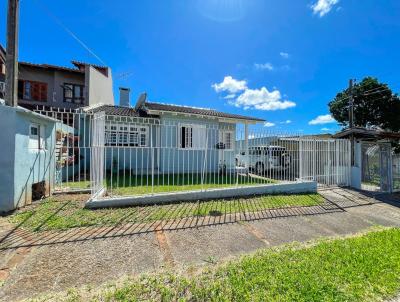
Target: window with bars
<point>192,136</point>
<point>125,135</point>
<point>33,91</point>
<point>227,138</point>
<point>186,137</point>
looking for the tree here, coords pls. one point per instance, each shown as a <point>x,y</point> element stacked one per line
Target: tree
<point>374,105</point>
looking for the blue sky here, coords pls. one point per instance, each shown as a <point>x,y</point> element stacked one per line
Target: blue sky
<point>278,60</point>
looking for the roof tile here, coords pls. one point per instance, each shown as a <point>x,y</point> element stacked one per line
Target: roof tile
<point>198,111</point>
<point>127,111</point>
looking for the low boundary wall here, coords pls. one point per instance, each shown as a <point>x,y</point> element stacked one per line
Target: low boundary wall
<point>161,198</point>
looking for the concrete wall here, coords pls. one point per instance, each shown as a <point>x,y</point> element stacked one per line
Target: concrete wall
<point>22,166</point>
<point>292,188</point>
<point>100,87</point>
<point>7,158</point>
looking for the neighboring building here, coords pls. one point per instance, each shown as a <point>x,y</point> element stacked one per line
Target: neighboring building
<point>26,158</point>
<point>61,87</point>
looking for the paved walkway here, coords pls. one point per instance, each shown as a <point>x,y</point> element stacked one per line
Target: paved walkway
<point>32,264</point>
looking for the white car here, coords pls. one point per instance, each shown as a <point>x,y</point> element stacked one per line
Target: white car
<point>263,158</point>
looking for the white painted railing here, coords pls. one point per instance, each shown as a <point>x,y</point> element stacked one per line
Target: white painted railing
<point>136,155</point>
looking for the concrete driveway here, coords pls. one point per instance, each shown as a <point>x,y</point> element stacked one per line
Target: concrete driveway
<point>32,264</point>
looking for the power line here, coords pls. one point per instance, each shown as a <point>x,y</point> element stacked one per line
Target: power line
<point>367,92</point>
<point>70,32</point>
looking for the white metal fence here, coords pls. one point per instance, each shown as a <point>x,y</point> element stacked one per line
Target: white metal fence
<point>135,155</point>
<point>327,161</point>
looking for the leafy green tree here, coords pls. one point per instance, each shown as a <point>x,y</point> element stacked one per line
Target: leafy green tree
<point>374,105</point>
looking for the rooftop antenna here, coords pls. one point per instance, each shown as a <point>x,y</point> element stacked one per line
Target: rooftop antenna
<point>140,101</point>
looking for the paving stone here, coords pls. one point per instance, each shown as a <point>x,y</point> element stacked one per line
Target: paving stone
<point>284,230</point>
<point>218,242</point>
<point>341,223</point>
<point>59,267</point>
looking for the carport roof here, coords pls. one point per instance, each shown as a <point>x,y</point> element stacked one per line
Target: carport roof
<point>364,133</point>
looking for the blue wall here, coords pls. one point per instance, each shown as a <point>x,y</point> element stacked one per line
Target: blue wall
<point>21,166</point>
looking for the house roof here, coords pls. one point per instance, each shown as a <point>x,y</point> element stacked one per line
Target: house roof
<point>119,111</point>
<point>152,110</point>
<point>82,65</point>
<point>79,67</point>
<point>158,107</point>
<point>51,67</point>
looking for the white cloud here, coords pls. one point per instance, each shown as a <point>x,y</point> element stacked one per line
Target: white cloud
<point>262,99</point>
<point>322,119</point>
<point>269,124</point>
<point>265,66</point>
<point>284,55</point>
<point>286,122</point>
<point>231,85</point>
<point>325,129</point>
<point>322,7</point>
<point>230,96</point>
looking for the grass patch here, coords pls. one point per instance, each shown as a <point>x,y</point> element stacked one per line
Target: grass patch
<point>360,268</point>
<point>51,214</point>
<point>124,183</point>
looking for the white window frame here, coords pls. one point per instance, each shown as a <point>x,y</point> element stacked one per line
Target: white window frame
<point>37,141</point>
<point>126,135</point>
<point>223,139</point>
<point>197,133</point>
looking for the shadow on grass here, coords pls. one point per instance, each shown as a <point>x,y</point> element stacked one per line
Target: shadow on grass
<point>120,222</point>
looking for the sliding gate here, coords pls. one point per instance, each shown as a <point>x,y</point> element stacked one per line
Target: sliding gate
<point>377,167</point>
<point>326,161</point>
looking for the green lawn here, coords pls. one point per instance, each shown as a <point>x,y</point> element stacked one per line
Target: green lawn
<point>360,268</point>
<point>51,214</point>
<point>123,183</point>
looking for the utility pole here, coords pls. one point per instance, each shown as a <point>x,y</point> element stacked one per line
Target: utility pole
<point>12,53</point>
<point>351,120</point>
<point>351,105</point>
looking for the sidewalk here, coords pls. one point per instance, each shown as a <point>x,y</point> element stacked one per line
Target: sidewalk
<point>91,256</point>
